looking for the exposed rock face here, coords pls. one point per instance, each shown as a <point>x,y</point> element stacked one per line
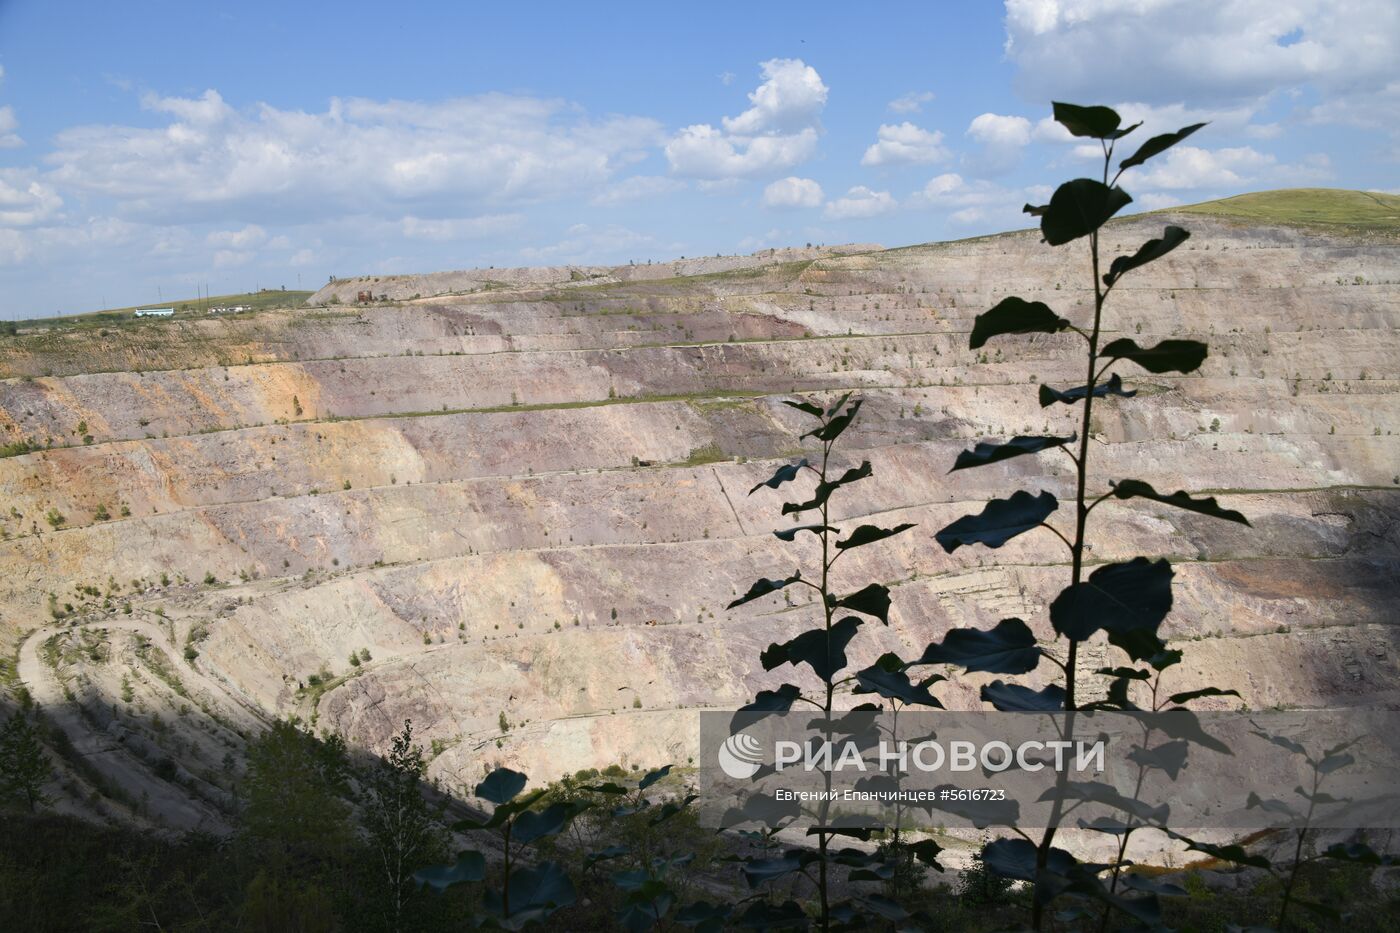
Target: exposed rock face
<point>531,500</point>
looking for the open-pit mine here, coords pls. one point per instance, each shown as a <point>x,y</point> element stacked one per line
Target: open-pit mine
<point>511,505</point>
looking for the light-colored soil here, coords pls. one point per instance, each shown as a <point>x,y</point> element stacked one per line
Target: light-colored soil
<point>530,498</point>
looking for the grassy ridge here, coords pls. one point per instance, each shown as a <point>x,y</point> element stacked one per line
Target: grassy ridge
<point>258,301</point>
<point>1361,210</point>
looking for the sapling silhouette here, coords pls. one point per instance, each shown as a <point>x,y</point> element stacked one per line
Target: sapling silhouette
<point>1127,601</point>
<point>823,649</point>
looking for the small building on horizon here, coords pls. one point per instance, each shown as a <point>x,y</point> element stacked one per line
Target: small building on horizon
<point>155,312</point>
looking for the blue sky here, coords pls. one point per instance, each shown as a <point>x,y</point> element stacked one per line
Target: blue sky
<point>149,148</point>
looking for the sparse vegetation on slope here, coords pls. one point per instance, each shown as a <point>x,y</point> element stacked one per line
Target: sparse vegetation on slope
<point>1332,207</point>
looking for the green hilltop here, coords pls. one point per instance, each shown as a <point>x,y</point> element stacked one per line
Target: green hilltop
<point>1337,207</point>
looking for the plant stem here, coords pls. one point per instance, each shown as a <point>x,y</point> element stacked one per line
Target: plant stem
<point>1081,521</point>
<point>823,839</point>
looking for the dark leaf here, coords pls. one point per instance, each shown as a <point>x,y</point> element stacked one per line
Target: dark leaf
<point>605,855</point>
<point>790,534</point>
<point>1131,597</point>
<point>1016,858</point>
<point>872,600</point>
<point>1232,853</point>
<point>869,534</point>
<point>538,891</point>
<point>1332,762</point>
<point>1114,386</point>
<point>1107,794</point>
<point>1283,742</point>
<point>1169,356</point>
<point>1169,757</point>
<point>551,821</point>
<point>1190,695</point>
<point>999,522</point>
<point>501,786</point>
<point>1009,648</point>
<point>836,426</point>
<point>985,452</point>
<point>926,851</point>
<point>1124,673</point>
<point>824,490</point>
<point>773,701</point>
<point>836,405</point>
<point>1136,488</point>
<point>1157,145</point>
<point>1254,801</point>
<point>502,812</point>
<point>1181,723</point>
<point>1080,207</point>
<point>1357,852</point>
<point>848,856</point>
<point>651,777</point>
<point>671,808</point>
<point>645,906</point>
<point>470,866</point>
<point>1035,210</point>
<point>1164,659</point>
<point>763,588</point>
<point>813,410</point>
<point>756,871</point>
<point>762,915</point>
<point>1091,122</point>
<point>702,913</point>
<point>823,649</point>
<point>1014,698</point>
<point>894,685</point>
<point>784,474</point>
<point>1117,697</point>
<point>1152,250</point>
<point>1150,885</point>
<point>1015,316</point>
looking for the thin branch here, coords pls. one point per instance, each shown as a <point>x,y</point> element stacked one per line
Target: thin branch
<point>1093,504</point>
<point>1051,528</point>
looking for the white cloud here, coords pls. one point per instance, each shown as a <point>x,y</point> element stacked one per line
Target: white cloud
<point>9,139</point>
<point>1156,200</point>
<point>777,132</point>
<point>1200,50</point>
<point>231,258</point>
<point>1048,131</point>
<point>14,248</point>
<point>994,129</point>
<point>359,156</point>
<point>905,144</point>
<point>635,188</point>
<point>702,151</point>
<point>978,203</point>
<point>790,99</point>
<point>1189,167</point>
<point>464,228</point>
<point>859,202</point>
<point>792,192</point>
<point>585,244</point>
<point>913,102</point>
<point>1003,139</point>
<point>250,237</point>
<point>25,200</point>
